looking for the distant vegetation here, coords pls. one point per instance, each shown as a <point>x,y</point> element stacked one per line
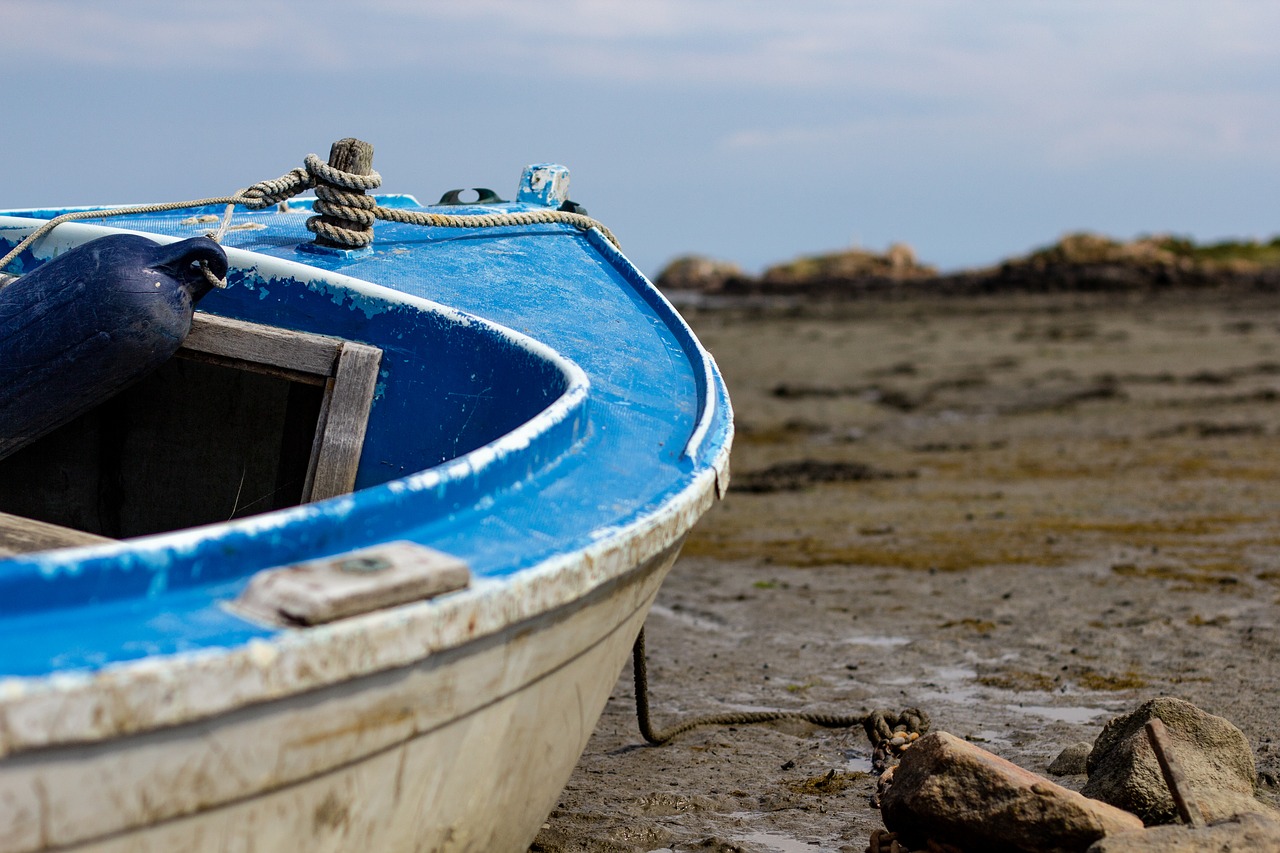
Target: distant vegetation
<point>1085,247</point>
<point>1081,261</point>
<point>1251,251</point>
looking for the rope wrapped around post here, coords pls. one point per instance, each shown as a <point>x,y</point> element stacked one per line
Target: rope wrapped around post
<point>345,214</point>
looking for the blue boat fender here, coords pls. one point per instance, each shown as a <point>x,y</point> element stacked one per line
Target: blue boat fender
<point>84,326</point>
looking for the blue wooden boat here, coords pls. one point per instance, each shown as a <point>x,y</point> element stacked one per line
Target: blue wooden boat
<point>358,568</point>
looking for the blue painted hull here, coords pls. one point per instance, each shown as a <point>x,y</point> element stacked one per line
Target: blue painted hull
<point>541,413</point>
<point>450,385</point>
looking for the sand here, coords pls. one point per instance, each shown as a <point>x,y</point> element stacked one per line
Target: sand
<point>1023,515</point>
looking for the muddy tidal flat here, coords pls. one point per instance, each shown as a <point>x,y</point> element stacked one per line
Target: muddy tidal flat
<point>1023,515</point>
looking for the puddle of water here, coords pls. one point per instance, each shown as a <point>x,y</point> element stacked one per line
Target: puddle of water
<point>948,684</point>
<point>958,685</point>
<point>870,640</point>
<point>1078,714</point>
<point>693,620</point>
<point>779,843</point>
<point>898,680</point>
<point>857,763</point>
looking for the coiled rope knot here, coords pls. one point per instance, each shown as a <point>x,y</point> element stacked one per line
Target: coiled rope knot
<point>346,214</point>
<point>892,734</point>
<point>264,194</point>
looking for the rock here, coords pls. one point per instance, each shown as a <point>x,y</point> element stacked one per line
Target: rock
<point>1072,760</point>
<point>1079,262</point>
<point>1215,758</point>
<point>699,274</point>
<point>849,270</point>
<point>953,792</point>
<point>1245,832</point>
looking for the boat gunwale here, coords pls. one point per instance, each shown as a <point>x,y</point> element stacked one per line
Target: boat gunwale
<point>705,373</point>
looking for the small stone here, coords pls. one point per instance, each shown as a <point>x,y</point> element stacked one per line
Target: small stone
<point>1244,832</point>
<point>1072,760</point>
<point>953,792</point>
<point>1214,755</point>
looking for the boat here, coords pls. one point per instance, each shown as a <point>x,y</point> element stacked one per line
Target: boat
<point>359,566</point>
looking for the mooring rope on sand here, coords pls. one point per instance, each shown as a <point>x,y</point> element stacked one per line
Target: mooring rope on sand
<point>890,734</point>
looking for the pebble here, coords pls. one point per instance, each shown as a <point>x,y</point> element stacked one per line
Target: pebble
<point>1073,760</point>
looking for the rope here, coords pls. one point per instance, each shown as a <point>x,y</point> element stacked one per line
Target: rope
<point>339,196</point>
<point>121,211</point>
<point>495,220</point>
<point>890,734</point>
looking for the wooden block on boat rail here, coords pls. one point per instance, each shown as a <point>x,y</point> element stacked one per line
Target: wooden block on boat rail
<point>350,584</point>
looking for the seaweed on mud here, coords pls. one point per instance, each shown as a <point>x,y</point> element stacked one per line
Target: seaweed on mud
<point>825,784</point>
<point>795,475</point>
<point>1019,680</point>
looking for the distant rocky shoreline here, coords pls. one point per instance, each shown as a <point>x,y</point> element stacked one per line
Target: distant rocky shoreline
<point>1080,262</point>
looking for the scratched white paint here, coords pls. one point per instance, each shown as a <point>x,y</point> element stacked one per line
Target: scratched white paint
<point>422,758</point>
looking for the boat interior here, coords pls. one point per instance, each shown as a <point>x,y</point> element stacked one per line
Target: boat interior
<point>246,419</point>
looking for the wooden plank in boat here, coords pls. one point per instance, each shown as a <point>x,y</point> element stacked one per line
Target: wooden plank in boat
<point>347,369</point>
<point>20,535</point>
<point>300,356</point>
<point>343,418</point>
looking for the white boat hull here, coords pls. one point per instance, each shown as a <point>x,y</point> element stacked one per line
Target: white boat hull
<point>465,751</point>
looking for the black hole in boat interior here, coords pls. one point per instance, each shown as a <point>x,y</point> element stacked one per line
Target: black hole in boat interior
<point>193,443</point>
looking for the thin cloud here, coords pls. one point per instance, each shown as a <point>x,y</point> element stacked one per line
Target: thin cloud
<point>1007,49</point>
<point>160,36</point>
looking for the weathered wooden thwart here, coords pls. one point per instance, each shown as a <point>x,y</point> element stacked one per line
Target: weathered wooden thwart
<point>347,370</point>
<point>358,568</point>
<point>20,535</point>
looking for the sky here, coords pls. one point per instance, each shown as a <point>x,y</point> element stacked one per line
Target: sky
<point>747,131</point>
